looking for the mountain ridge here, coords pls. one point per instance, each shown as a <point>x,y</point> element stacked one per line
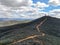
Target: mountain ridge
<point>35,22</point>
<point>50,27</point>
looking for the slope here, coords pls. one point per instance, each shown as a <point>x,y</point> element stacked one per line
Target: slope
<point>14,33</point>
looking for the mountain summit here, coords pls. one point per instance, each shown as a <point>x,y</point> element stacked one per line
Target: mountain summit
<point>47,25</point>
<point>50,26</point>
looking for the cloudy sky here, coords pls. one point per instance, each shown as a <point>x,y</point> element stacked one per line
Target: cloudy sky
<point>29,9</point>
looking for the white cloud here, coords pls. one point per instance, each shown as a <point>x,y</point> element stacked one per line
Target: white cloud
<point>19,1</point>
<point>21,9</point>
<point>41,5</point>
<point>16,3</point>
<point>54,2</point>
<point>55,13</point>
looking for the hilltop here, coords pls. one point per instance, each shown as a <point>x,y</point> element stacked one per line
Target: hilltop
<point>51,27</point>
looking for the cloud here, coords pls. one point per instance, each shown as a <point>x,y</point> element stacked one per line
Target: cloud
<point>22,12</point>
<point>41,5</point>
<point>24,9</point>
<point>16,3</point>
<point>55,13</point>
<point>13,3</point>
<point>21,9</point>
<point>54,2</point>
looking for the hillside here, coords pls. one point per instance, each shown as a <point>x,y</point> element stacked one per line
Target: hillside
<point>50,27</point>
<point>12,22</point>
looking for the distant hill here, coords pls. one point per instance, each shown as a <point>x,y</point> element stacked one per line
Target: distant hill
<point>51,27</point>
<point>12,22</point>
<point>8,19</point>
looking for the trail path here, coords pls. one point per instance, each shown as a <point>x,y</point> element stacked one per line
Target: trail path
<point>33,36</point>
<point>29,37</point>
<point>38,25</point>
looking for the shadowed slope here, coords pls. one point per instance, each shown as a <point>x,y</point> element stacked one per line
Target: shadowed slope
<point>50,26</point>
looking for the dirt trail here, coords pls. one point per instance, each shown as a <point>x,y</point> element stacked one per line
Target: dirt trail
<point>37,27</point>
<point>43,34</point>
<point>29,37</point>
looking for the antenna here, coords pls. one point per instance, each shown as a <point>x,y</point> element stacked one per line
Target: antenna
<point>45,14</point>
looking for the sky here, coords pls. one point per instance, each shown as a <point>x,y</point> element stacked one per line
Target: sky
<point>29,9</point>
